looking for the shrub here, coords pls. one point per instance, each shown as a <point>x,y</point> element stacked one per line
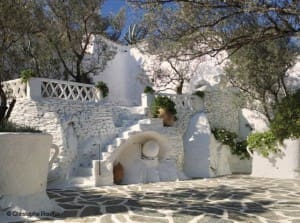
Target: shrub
<point>165,103</point>
<point>103,88</point>
<point>286,122</point>
<point>200,94</point>
<point>13,127</point>
<point>26,75</point>
<point>148,90</point>
<point>225,137</point>
<point>237,146</point>
<point>263,143</point>
<point>240,149</point>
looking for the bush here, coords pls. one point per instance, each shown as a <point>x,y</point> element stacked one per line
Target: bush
<point>12,127</point>
<point>200,94</point>
<point>162,102</point>
<point>103,88</point>
<point>148,90</point>
<point>263,143</point>
<point>26,75</point>
<point>240,149</point>
<point>225,137</point>
<point>286,122</point>
<point>237,146</point>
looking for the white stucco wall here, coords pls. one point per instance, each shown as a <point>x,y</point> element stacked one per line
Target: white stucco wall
<point>78,129</point>
<point>196,147</point>
<point>222,107</point>
<point>122,75</point>
<point>284,165</point>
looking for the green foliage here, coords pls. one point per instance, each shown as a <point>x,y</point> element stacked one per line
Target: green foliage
<point>26,75</point>
<point>224,136</point>
<point>240,149</point>
<point>165,103</point>
<point>103,88</point>
<point>286,123</point>
<point>263,143</point>
<point>12,127</point>
<point>200,94</point>
<point>259,70</point>
<point>148,90</point>
<point>237,146</point>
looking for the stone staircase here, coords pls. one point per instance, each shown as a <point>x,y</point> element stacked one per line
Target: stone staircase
<point>104,166</point>
<point>112,149</point>
<point>131,123</point>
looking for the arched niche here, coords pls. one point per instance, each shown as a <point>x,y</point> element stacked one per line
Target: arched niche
<point>140,169</point>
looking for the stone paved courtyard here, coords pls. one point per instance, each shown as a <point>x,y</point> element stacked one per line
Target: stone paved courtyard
<point>226,199</point>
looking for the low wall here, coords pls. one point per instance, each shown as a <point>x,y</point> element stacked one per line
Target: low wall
<point>78,129</point>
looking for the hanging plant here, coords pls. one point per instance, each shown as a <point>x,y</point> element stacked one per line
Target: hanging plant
<point>26,75</point>
<point>103,88</point>
<point>148,90</point>
<point>237,146</point>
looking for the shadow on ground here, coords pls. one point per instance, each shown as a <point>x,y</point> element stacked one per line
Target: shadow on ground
<point>186,203</point>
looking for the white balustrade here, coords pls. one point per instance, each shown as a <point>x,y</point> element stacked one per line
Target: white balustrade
<point>68,90</point>
<point>37,88</point>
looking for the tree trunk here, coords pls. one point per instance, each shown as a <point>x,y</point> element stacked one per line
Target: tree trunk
<point>179,87</point>
<point>10,109</point>
<point>3,104</point>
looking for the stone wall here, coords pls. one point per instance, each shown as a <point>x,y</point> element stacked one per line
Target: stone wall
<point>222,108</point>
<point>78,129</point>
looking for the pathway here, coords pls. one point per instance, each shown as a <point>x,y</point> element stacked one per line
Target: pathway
<point>234,198</point>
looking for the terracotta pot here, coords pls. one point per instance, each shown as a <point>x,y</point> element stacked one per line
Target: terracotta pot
<point>167,117</point>
<point>118,173</point>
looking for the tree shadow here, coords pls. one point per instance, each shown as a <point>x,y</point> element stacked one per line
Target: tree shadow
<point>212,201</point>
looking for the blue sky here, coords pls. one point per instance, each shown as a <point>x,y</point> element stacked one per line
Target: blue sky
<point>113,6</point>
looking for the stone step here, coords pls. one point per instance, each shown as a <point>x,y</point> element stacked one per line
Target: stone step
<point>110,148</point>
<point>106,155</point>
<point>120,141</point>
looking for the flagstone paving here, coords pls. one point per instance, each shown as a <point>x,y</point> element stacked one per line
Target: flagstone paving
<point>236,198</point>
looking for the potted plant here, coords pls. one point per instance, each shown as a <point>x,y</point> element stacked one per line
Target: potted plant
<point>103,89</point>
<point>24,161</point>
<point>164,108</point>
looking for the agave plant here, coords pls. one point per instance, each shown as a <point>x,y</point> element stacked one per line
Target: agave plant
<point>134,34</point>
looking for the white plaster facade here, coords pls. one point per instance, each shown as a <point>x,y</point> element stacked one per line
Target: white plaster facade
<point>87,131</point>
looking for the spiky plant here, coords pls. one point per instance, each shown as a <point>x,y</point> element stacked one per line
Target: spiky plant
<point>134,34</point>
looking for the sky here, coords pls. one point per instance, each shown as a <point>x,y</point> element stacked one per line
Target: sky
<point>113,6</point>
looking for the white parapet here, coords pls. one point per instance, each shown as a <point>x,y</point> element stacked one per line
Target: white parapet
<point>37,88</point>
<point>34,90</point>
<point>284,165</point>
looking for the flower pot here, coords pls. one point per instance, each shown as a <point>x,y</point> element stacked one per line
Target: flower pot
<point>284,165</point>
<point>118,172</point>
<point>167,117</point>
<point>24,160</point>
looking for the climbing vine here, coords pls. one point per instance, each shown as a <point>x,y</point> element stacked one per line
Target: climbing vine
<point>237,146</point>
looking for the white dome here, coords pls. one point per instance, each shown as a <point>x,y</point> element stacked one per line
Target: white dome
<point>151,149</point>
